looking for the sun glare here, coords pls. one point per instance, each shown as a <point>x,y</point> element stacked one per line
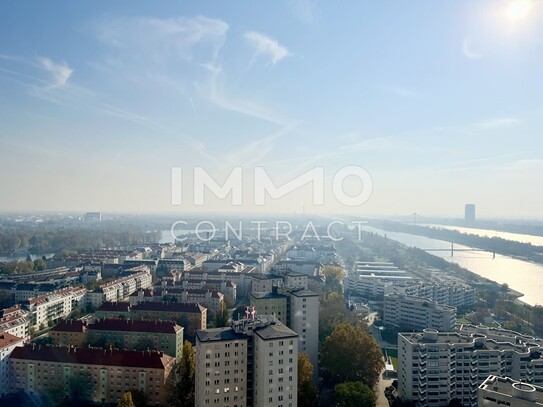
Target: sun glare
<point>517,10</point>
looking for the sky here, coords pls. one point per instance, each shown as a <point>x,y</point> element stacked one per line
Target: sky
<point>440,102</point>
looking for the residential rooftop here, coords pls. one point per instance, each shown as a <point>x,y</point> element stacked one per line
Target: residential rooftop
<point>135,325</point>
<point>92,356</point>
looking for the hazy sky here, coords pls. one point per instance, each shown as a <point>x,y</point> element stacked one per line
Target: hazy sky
<point>440,101</point>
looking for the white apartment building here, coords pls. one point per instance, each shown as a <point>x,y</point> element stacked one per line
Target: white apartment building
<point>414,313</point>
<point>15,321</point>
<point>252,363</point>
<point>435,367</point>
<point>120,289</point>
<point>275,366</point>
<point>8,342</point>
<point>221,368</point>
<point>304,320</point>
<point>450,292</point>
<point>54,306</point>
<point>504,391</point>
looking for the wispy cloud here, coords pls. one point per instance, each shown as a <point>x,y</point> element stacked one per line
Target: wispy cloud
<point>160,40</point>
<point>469,51</point>
<point>267,46</point>
<point>216,95</point>
<point>60,72</point>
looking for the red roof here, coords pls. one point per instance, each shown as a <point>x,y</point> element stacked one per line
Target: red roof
<point>70,325</point>
<point>92,356</point>
<point>135,325</point>
<point>8,340</point>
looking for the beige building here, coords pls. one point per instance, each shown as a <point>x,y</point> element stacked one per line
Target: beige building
<point>221,368</point>
<point>8,343</point>
<point>163,336</point>
<point>69,332</point>
<point>120,289</point>
<point>504,391</point>
<point>252,363</point>
<point>304,320</point>
<point>110,373</point>
<point>189,316</point>
<point>270,303</point>
<point>15,321</point>
<point>54,306</point>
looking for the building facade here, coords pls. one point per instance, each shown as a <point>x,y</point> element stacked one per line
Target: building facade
<point>504,391</point>
<point>414,313</point>
<point>8,343</point>
<point>109,373</point>
<point>252,363</point>
<point>435,367</point>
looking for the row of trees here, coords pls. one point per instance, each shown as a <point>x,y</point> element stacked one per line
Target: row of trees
<point>351,361</point>
<point>78,238</point>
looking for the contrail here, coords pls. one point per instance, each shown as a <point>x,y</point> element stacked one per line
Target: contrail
<point>193,107</point>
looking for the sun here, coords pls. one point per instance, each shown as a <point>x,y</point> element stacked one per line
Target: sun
<point>517,10</point>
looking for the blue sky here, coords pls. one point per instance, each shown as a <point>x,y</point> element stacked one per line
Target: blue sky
<point>440,101</point>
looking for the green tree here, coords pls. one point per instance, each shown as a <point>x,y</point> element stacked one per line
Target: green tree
<point>222,316</point>
<point>126,400</point>
<point>332,312</point>
<point>306,390</point>
<point>39,264</point>
<point>351,354</point>
<point>182,394</point>
<point>79,388</point>
<point>354,394</point>
<point>333,279</point>
<point>138,397</point>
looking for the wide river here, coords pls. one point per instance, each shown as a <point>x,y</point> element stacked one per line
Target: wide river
<point>516,237</point>
<point>522,276</point>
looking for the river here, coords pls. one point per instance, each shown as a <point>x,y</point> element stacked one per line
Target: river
<point>522,276</point>
<point>515,237</point>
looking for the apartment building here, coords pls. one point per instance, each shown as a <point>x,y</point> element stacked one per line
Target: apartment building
<point>113,310</point>
<point>190,316</point>
<point>8,343</point>
<point>414,313</point>
<point>228,288</point>
<point>446,291</point>
<point>120,289</point>
<point>304,320</point>
<point>435,367</point>
<point>15,321</point>
<point>503,391</point>
<point>109,372</point>
<point>54,306</point>
<point>69,332</point>
<point>210,298</point>
<point>252,363</point>
<point>163,336</point>
<point>271,303</point>
<point>221,368</point>
<point>299,310</point>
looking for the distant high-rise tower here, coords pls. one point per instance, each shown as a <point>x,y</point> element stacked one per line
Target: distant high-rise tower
<point>469,213</point>
<point>93,217</point>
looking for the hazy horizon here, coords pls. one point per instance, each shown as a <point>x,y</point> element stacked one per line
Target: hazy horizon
<point>438,101</point>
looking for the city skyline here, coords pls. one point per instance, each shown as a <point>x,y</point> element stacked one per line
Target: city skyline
<point>438,102</point>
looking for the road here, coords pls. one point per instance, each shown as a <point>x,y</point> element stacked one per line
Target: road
<point>383,382</point>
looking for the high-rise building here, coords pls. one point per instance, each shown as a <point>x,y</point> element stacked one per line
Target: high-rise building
<point>92,217</point>
<point>504,391</point>
<point>435,367</point>
<point>252,363</point>
<point>469,213</point>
